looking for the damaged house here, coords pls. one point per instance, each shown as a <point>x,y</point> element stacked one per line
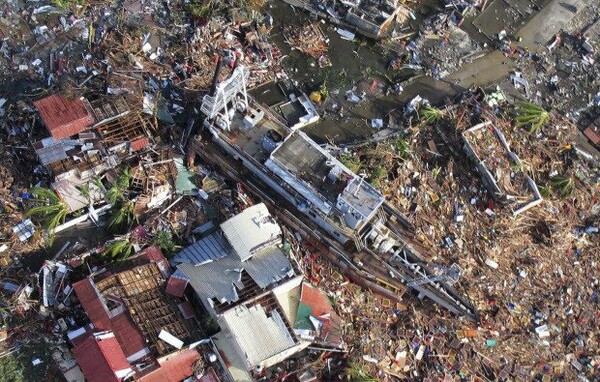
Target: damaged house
<point>500,168</point>
<point>90,138</point>
<point>138,331</point>
<point>241,276</point>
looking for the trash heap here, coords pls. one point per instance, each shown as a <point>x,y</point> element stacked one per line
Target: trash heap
<point>530,276</point>
<point>562,75</point>
<point>309,40</point>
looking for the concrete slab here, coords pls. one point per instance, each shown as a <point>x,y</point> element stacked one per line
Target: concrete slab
<point>555,16</point>
<point>498,16</point>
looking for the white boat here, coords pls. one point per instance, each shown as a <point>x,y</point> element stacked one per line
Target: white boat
<point>345,34</point>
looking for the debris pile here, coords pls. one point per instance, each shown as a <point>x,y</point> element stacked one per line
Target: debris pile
<point>309,40</point>
<point>528,275</point>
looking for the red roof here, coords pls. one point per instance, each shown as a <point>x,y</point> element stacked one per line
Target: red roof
<point>592,135</point>
<point>126,332</point>
<point>89,299</point>
<point>100,358</point>
<point>173,368</point>
<point>154,255</point>
<point>176,286</point>
<point>313,297</point>
<point>139,144</point>
<point>64,117</point>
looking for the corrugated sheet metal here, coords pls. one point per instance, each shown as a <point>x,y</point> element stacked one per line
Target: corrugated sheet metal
<point>88,297</point>
<point>64,117</point>
<point>258,335</point>
<point>251,230</point>
<point>128,335</point>
<point>126,332</point>
<point>592,135</point>
<point>268,266</point>
<point>221,278</point>
<point>174,368</point>
<point>212,247</point>
<point>100,359</point>
<point>139,144</point>
<point>176,286</point>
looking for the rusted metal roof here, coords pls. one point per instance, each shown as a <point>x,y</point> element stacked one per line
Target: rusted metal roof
<point>592,135</point>
<point>176,286</point>
<point>173,368</point>
<point>64,117</point>
<point>100,358</point>
<point>125,330</point>
<point>139,144</point>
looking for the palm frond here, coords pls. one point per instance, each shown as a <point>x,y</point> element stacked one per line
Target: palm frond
<point>118,250</point>
<point>531,116</point>
<point>122,215</point>
<point>430,114</point>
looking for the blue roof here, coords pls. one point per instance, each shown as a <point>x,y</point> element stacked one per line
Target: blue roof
<point>212,247</point>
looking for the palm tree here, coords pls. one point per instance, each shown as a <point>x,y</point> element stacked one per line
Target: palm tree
<point>122,215</point>
<point>50,209</point>
<point>118,187</point>
<point>531,116</point>
<point>118,249</point>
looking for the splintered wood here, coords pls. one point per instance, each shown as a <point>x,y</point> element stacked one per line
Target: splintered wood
<point>536,270</point>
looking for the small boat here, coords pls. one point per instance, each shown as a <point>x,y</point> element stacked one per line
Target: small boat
<point>345,34</point>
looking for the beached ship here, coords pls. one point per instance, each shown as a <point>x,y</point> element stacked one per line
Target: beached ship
<point>273,148</point>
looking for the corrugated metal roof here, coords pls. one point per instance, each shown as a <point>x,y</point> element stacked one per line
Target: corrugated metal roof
<point>51,150</point>
<point>64,117</point>
<point>212,247</point>
<point>221,278</point>
<point>128,334</point>
<point>89,299</point>
<point>592,135</point>
<point>176,286</point>
<point>122,325</point>
<point>185,178</point>
<point>99,359</point>
<point>174,368</point>
<point>259,336</point>
<point>251,230</point>
<point>139,144</point>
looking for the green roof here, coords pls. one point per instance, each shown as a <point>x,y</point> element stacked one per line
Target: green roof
<point>185,178</point>
<point>303,317</point>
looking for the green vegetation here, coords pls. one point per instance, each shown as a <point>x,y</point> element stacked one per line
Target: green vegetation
<point>563,185</point>
<point>17,367</point>
<point>356,373</point>
<point>50,209</point>
<point>118,250</point>
<point>402,147</point>
<point>164,240</point>
<point>430,114</point>
<point>531,116</point>
<point>67,4</point>
<point>122,215</point>
<point>378,175</point>
<point>353,163</point>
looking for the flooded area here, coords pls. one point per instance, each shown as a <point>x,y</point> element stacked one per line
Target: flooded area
<point>361,63</point>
